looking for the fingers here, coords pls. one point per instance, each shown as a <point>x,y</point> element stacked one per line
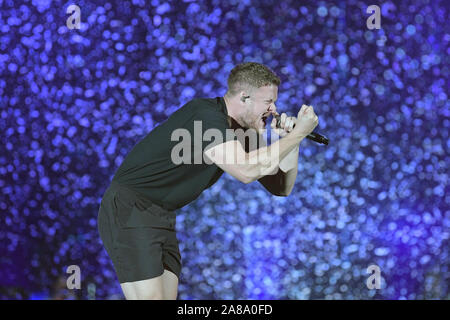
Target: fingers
<point>308,109</point>
<point>273,125</point>
<point>303,110</point>
<point>283,120</point>
<point>286,123</point>
<point>300,112</point>
<point>307,112</point>
<point>290,122</point>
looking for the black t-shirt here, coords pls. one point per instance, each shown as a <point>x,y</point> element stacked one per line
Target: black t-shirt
<point>149,168</point>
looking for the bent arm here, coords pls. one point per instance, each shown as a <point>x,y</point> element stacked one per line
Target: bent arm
<point>282,183</point>
<point>248,167</point>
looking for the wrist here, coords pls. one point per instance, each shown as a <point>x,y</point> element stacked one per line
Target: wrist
<point>297,136</point>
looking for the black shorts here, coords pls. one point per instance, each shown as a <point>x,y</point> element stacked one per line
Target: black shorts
<point>138,236</point>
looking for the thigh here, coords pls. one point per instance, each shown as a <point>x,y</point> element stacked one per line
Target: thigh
<point>138,254</point>
<point>137,246</point>
<point>170,285</point>
<point>128,290</point>
<point>148,289</point>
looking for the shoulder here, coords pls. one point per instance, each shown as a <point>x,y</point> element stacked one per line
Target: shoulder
<point>205,105</point>
<point>208,109</point>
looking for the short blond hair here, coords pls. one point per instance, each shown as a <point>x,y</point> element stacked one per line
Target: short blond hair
<point>249,75</point>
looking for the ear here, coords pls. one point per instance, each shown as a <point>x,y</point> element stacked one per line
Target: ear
<point>244,97</point>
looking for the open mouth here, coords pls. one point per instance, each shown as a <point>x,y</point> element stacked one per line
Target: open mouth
<point>264,118</point>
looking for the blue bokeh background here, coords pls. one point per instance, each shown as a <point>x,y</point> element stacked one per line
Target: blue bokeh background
<point>74,102</point>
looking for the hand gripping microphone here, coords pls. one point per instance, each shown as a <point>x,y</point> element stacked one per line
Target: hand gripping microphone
<point>312,136</point>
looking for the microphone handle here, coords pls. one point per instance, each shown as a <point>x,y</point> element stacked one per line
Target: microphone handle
<point>312,136</point>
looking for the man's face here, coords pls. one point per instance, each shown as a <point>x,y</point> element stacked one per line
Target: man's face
<point>260,105</point>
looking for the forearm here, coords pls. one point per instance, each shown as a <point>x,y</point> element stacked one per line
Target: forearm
<point>288,172</point>
<point>265,161</point>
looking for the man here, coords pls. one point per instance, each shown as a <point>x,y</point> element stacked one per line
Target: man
<point>137,217</point>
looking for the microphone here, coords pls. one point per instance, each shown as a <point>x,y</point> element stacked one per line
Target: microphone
<point>312,136</point>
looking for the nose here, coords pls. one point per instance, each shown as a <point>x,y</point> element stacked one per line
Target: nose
<point>272,108</point>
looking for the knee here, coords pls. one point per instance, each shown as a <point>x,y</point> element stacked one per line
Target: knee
<point>170,296</point>
<point>152,295</point>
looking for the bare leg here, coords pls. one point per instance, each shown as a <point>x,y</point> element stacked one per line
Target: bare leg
<point>128,290</point>
<point>149,289</point>
<point>170,285</point>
